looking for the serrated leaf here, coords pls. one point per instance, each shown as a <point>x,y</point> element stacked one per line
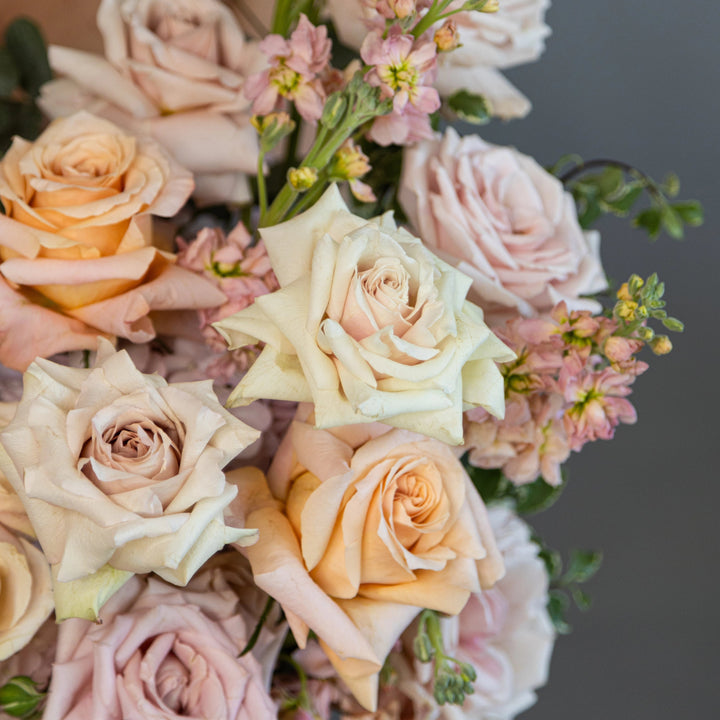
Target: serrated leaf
<point>25,43</point>
<point>9,75</point>
<point>582,566</point>
<point>691,212</point>
<point>536,496</point>
<point>610,181</point>
<point>672,222</point>
<point>557,607</point>
<point>582,600</point>
<point>470,107</point>
<point>625,202</point>
<point>649,220</point>
<point>673,324</point>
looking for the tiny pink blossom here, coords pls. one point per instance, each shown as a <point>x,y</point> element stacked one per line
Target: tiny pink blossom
<point>295,69</point>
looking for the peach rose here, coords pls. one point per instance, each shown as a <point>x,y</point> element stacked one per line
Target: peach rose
<point>506,634</point>
<point>160,653</point>
<point>75,240</point>
<point>121,473</point>
<point>369,325</point>
<point>500,218</point>
<point>25,592</point>
<point>12,511</point>
<point>173,70</point>
<point>376,523</point>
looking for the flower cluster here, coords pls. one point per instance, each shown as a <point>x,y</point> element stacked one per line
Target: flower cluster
<point>379,320</point>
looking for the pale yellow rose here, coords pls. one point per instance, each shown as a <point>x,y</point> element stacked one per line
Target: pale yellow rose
<point>75,240</point>
<point>12,511</point>
<point>25,592</point>
<point>374,524</point>
<point>121,473</point>
<point>173,70</point>
<point>369,325</point>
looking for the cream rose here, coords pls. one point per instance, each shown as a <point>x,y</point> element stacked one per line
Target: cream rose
<point>12,511</point>
<point>121,473</point>
<point>160,653</point>
<point>368,325</point>
<point>25,592</point>
<point>174,70</point>
<point>376,523</point>
<point>500,218</point>
<point>75,240</point>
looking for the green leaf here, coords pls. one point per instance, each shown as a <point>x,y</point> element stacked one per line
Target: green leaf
<point>626,200</point>
<point>470,107</point>
<point>557,607</point>
<point>19,696</point>
<point>589,215</point>
<point>673,324</point>
<point>583,565</point>
<point>672,222</point>
<point>610,181</point>
<point>536,496</point>
<point>552,560</point>
<point>582,600</point>
<point>27,47</point>
<point>691,212</point>
<point>671,185</point>
<point>9,75</point>
<point>489,483</point>
<point>650,221</point>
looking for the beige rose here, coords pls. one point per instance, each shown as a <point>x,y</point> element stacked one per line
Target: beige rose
<point>25,592</point>
<point>503,220</point>
<point>12,511</point>
<point>376,523</point>
<point>369,325</point>
<point>121,473</point>
<point>75,240</point>
<point>174,70</point>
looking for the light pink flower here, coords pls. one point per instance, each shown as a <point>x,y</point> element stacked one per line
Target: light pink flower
<point>403,68</point>
<point>503,220</point>
<point>173,70</point>
<point>598,404</point>
<point>160,653</point>
<point>294,73</point>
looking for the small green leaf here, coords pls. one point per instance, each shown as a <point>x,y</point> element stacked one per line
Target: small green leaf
<point>19,697</point>
<point>27,47</point>
<point>671,185</point>
<point>9,75</point>
<point>470,107</point>
<point>691,212</point>
<point>627,199</point>
<point>582,600</point>
<point>557,607</point>
<point>553,562</point>
<point>583,565</point>
<point>591,213</point>
<point>610,181</point>
<point>650,221</point>
<point>672,222</point>
<point>536,496</point>
<point>491,484</point>
<point>673,324</point>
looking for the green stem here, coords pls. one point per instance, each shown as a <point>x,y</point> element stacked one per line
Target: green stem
<point>430,18</point>
<point>262,188</point>
<point>282,17</point>
<point>258,628</point>
<point>309,198</point>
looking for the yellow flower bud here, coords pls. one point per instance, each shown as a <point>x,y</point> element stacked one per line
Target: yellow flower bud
<point>302,178</point>
<point>624,293</point>
<point>446,37</point>
<point>490,6</point>
<point>661,345</point>
<point>627,310</point>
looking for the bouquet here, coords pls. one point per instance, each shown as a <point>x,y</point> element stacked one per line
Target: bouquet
<point>287,362</point>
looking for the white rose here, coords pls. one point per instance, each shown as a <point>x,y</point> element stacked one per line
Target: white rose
<point>121,473</point>
<point>369,325</point>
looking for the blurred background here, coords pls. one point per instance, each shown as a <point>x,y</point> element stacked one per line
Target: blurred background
<point>639,82</point>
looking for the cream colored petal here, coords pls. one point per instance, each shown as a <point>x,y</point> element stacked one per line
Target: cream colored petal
<point>483,386</point>
<point>83,598</point>
<point>251,325</point>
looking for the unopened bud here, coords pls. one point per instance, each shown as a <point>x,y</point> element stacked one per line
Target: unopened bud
<point>661,345</point>
<point>626,310</point>
<point>350,162</point>
<point>635,283</point>
<point>402,8</point>
<point>646,333</point>
<point>334,110</point>
<point>422,648</point>
<point>446,36</point>
<point>302,178</point>
<point>272,128</point>
<point>491,6</point>
<point>624,292</point>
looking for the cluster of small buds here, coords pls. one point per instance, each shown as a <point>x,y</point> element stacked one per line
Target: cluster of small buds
<point>568,385</point>
<point>296,67</point>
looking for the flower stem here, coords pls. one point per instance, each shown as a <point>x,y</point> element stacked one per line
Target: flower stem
<point>262,189</point>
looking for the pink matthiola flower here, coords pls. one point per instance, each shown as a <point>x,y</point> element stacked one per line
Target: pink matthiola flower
<point>599,404</point>
<point>295,67</point>
<point>403,69</point>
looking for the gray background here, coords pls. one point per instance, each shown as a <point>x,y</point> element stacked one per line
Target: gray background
<point>640,81</point>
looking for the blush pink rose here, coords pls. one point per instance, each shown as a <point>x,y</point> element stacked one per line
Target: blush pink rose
<point>503,220</point>
<point>76,240</point>
<point>160,654</point>
<point>173,70</point>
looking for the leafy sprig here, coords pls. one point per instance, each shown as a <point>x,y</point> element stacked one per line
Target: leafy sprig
<point>612,187</point>
<point>21,698</point>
